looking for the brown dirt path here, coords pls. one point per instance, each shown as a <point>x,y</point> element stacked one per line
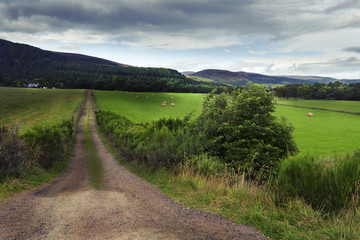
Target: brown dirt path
<point>126,207</point>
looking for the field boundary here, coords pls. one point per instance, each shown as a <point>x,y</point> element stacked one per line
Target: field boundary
<point>317,108</point>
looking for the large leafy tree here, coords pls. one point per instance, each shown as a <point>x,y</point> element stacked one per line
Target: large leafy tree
<point>240,128</point>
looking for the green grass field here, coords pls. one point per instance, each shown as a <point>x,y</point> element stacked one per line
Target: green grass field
<point>326,133</point>
<point>28,107</point>
<point>343,106</point>
<point>142,109</point>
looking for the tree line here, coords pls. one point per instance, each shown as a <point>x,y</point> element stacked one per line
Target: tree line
<point>332,91</point>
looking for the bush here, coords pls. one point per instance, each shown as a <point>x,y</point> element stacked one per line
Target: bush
<point>240,129</point>
<point>13,153</point>
<point>48,143</point>
<point>162,143</point>
<point>329,184</point>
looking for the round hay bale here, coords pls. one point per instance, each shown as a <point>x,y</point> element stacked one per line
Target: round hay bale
<point>171,97</point>
<point>163,104</point>
<point>172,104</point>
<point>309,114</point>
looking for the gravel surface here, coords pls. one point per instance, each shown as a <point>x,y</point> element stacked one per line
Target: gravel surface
<point>125,207</point>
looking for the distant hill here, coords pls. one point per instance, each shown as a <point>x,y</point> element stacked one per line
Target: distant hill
<point>241,78</point>
<point>21,64</point>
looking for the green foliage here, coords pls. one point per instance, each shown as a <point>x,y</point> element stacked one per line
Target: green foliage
<point>48,142</point>
<point>162,143</point>
<point>240,129</point>
<point>330,184</point>
<point>333,90</point>
<point>13,153</point>
<point>206,165</point>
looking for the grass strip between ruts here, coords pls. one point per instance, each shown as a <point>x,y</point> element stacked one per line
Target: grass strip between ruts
<point>93,161</point>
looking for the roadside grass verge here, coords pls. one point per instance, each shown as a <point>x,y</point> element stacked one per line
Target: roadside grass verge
<point>247,202</point>
<point>93,161</point>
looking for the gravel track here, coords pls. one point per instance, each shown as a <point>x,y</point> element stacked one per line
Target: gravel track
<point>125,207</point>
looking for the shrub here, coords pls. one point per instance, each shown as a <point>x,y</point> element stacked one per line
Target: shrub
<point>51,140</point>
<point>13,153</point>
<point>240,129</point>
<point>162,143</point>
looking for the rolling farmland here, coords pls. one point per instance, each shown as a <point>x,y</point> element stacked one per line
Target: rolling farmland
<point>326,133</point>
<point>146,107</point>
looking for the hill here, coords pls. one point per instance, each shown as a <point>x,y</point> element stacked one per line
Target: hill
<point>22,64</point>
<point>241,78</point>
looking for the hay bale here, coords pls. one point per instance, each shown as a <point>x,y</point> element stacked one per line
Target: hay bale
<point>309,114</point>
<point>172,104</point>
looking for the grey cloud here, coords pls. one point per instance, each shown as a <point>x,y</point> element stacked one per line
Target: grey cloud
<point>351,64</point>
<point>352,49</point>
<point>275,19</point>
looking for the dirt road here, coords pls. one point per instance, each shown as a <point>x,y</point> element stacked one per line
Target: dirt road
<point>126,207</point>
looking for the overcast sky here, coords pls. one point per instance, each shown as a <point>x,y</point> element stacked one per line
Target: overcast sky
<point>278,37</point>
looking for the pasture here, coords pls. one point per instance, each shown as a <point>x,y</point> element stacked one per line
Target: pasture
<point>147,107</point>
<point>28,107</point>
<point>326,133</point>
<point>335,105</point>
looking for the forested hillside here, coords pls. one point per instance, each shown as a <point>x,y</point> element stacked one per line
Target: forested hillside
<point>22,64</point>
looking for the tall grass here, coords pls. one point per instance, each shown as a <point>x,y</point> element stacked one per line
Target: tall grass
<point>328,184</point>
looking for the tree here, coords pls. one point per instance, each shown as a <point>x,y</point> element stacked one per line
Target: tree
<point>240,129</point>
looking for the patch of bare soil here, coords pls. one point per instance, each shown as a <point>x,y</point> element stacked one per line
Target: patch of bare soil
<point>126,207</point>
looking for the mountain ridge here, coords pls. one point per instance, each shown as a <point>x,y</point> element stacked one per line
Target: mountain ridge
<point>241,78</point>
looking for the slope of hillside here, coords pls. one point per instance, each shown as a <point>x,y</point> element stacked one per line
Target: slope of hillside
<point>23,64</point>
